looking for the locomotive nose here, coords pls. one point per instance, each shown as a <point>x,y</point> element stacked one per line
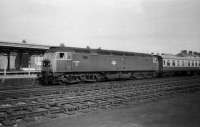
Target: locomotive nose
<point>46,66</point>
<point>46,63</point>
<point>45,72</point>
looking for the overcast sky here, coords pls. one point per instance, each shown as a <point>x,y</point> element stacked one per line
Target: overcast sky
<point>130,25</point>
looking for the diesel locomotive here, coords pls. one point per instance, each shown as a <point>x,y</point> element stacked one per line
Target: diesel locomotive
<point>66,65</point>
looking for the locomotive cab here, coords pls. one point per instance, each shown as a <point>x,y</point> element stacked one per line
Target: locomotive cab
<point>63,62</point>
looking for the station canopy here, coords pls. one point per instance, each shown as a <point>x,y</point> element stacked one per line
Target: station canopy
<point>23,47</point>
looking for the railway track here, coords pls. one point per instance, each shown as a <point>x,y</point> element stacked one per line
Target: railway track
<point>39,91</point>
<point>85,98</point>
<point>35,85</point>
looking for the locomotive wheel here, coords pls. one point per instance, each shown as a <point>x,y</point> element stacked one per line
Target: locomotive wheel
<point>82,77</point>
<point>90,78</point>
<point>71,79</point>
<point>99,77</point>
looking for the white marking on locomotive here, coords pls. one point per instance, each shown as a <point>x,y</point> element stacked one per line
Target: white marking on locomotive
<point>155,60</point>
<point>76,63</point>
<point>114,62</point>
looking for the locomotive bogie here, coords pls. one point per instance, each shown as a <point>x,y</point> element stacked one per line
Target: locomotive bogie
<point>76,77</point>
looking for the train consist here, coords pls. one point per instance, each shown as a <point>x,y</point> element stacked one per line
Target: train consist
<point>64,65</point>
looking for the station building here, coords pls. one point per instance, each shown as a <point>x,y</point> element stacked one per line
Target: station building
<point>21,57</point>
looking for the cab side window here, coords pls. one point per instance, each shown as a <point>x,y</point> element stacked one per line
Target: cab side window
<point>64,55</point>
<point>61,55</point>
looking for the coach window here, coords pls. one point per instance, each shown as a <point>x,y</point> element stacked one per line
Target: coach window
<point>168,63</point>
<point>178,63</point>
<point>196,63</point>
<point>163,62</point>
<point>188,63</point>
<point>182,63</point>
<point>173,63</point>
<point>192,63</point>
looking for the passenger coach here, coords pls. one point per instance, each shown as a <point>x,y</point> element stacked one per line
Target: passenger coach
<point>180,65</point>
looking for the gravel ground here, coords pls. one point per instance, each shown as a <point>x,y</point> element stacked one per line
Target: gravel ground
<point>179,111</point>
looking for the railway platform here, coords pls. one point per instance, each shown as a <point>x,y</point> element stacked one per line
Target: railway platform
<point>17,79</point>
<point>18,74</point>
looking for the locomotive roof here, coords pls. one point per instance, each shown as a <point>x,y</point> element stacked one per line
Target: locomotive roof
<point>95,51</point>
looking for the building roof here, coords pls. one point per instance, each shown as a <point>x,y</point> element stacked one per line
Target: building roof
<point>23,45</point>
